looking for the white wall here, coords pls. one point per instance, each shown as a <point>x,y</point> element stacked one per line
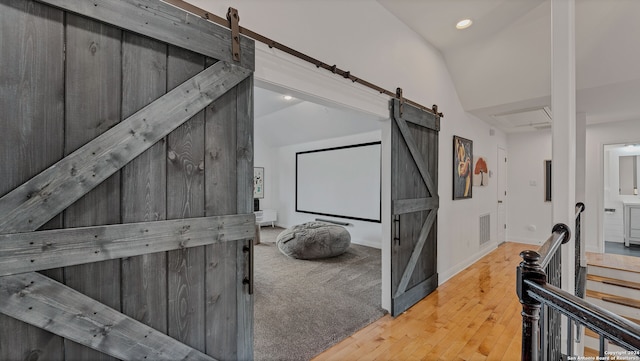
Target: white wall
<point>362,37</point>
<point>458,221</point>
<point>525,207</point>
<point>263,157</point>
<point>529,215</point>
<point>365,233</point>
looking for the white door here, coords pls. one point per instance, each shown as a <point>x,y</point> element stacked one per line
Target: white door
<point>502,195</point>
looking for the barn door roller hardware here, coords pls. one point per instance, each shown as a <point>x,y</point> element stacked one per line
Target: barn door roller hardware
<point>400,100</point>
<point>273,44</point>
<point>234,19</point>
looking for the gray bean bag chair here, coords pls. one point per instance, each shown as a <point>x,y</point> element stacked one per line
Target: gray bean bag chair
<point>313,240</point>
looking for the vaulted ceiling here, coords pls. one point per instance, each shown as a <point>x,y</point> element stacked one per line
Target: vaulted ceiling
<point>284,121</point>
<point>501,65</point>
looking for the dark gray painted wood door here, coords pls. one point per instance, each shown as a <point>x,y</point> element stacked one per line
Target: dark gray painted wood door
<point>414,205</point>
<point>114,120</point>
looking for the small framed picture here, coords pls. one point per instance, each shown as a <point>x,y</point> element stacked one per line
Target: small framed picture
<point>258,182</point>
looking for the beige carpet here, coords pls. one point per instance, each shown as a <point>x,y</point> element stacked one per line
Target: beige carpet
<point>304,307</point>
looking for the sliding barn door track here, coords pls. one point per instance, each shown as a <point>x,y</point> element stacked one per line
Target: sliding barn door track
<point>232,23</point>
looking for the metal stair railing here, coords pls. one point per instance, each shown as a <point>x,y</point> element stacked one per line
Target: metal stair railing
<point>538,288</point>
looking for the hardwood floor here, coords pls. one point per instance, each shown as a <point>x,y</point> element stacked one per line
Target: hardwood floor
<point>614,261</point>
<point>473,316</point>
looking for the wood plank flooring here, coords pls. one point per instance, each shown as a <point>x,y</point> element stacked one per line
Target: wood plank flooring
<point>614,261</point>
<point>473,316</point>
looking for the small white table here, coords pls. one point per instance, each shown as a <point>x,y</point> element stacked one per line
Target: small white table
<point>266,216</point>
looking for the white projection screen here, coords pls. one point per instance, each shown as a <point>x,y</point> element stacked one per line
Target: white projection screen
<point>341,182</point>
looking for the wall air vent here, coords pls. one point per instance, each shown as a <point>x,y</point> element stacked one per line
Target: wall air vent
<point>485,228</point>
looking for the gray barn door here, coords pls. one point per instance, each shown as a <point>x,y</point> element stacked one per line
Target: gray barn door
<point>414,205</point>
<point>126,184</point>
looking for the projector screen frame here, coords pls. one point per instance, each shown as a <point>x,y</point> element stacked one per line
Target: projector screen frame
<point>364,219</point>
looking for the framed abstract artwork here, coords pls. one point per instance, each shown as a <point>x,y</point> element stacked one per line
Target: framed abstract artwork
<point>462,167</point>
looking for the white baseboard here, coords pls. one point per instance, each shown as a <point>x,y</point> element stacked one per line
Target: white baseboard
<point>593,249</point>
<point>532,241</point>
<point>368,243</point>
<point>448,274</point>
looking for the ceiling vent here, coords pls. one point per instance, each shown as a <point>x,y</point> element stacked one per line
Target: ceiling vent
<point>542,126</point>
<point>525,119</point>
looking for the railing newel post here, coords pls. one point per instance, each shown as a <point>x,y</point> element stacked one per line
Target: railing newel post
<point>530,270</point>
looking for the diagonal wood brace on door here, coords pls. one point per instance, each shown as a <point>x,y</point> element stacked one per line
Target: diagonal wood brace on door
<point>232,16</point>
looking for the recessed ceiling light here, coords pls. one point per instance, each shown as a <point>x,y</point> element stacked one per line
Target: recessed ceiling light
<point>463,24</point>
<point>288,97</point>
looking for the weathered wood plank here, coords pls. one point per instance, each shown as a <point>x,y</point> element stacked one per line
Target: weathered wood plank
<point>415,153</point>
<point>35,251</point>
<point>244,145</point>
<point>417,292</point>
<point>402,206</point>
<point>30,205</point>
<point>244,320</point>
<point>144,278</point>
<point>396,141</point>
<point>221,160</point>
<point>185,199</point>
<point>221,309</point>
<point>92,92</point>
<point>185,146</point>
<point>415,255</point>
<point>32,132</point>
<point>221,198</point>
<point>407,184</point>
<point>165,23</point>
<point>45,303</point>
<point>31,92</point>
<point>420,117</point>
<point>426,142</point>
<point>244,161</point>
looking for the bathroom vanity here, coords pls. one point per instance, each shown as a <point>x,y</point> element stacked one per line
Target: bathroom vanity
<point>631,223</point>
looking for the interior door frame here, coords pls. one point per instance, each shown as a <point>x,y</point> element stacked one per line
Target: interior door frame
<point>294,77</point>
<point>501,206</point>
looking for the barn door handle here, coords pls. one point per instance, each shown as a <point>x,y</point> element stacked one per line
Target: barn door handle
<point>396,220</point>
<point>249,279</point>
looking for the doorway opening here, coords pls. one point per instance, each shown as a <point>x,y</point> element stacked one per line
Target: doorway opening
<point>621,221</point>
<point>303,307</point>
